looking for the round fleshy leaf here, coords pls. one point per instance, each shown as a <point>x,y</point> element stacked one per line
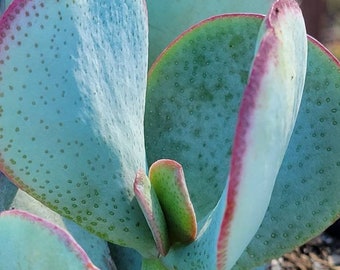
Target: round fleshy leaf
<point>193,96</point>
<point>305,198</point>
<point>266,120</point>
<point>96,249</point>
<point>73,78</point>
<point>53,248</point>
<point>315,130</point>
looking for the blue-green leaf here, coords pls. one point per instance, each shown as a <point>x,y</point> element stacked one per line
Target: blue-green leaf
<point>168,19</point>
<point>168,180</point>
<point>307,183</point>
<point>305,199</point>
<point>53,248</point>
<point>266,119</point>
<point>193,96</point>
<point>73,78</point>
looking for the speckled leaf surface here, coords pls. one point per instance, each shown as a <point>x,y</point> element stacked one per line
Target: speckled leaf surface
<point>305,199</point>
<point>168,19</point>
<point>53,248</point>
<point>96,248</point>
<point>72,87</point>
<point>266,119</point>
<point>193,97</point>
<point>308,179</point>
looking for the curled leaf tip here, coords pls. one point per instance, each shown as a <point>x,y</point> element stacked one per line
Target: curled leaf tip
<point>266,119</point>
<point>167,178</point>
<point>166,205</point>
<point>148,202</point>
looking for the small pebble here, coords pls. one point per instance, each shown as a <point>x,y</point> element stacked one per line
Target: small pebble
<point>334,259</point>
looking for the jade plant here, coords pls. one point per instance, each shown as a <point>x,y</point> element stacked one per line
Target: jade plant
<point>221,153</point>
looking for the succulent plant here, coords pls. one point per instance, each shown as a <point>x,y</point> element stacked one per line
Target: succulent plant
<point>221,155</point>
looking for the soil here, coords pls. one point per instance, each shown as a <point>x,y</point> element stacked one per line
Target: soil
<point>321,253</point>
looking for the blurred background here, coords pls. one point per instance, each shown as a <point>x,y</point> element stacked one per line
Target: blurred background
<point>323,22</point>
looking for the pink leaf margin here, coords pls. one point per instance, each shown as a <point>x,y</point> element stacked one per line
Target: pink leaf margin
<point>183,190</point>
<point>234,185</point>
<point>154,222</point>
<point>195,26</point>
<point>248,105</point>
<point>63,235</point>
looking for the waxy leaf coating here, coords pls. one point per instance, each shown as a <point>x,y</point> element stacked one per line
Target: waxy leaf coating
<point>34,243</point>
<point>305,199</point>
<point>266,120</point>
<point>168,19</point>
<point>174,82</point>
<point>73,76</point>
<point>201,77</point>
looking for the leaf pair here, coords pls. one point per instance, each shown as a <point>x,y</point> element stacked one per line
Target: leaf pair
<point>165,202</point>
<point>72,106</point>
<point>201,78</point>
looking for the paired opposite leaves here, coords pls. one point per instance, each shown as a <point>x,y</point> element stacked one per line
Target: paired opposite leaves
<point>165,202</point>
<point>168,180</point>
<point>201,76</point>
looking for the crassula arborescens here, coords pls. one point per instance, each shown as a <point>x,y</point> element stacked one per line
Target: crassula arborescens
<point>233,106</point>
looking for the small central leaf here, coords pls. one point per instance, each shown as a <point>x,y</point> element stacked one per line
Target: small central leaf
<point>165,202</point>
<point>167,178</point>
<point>148,201</point>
